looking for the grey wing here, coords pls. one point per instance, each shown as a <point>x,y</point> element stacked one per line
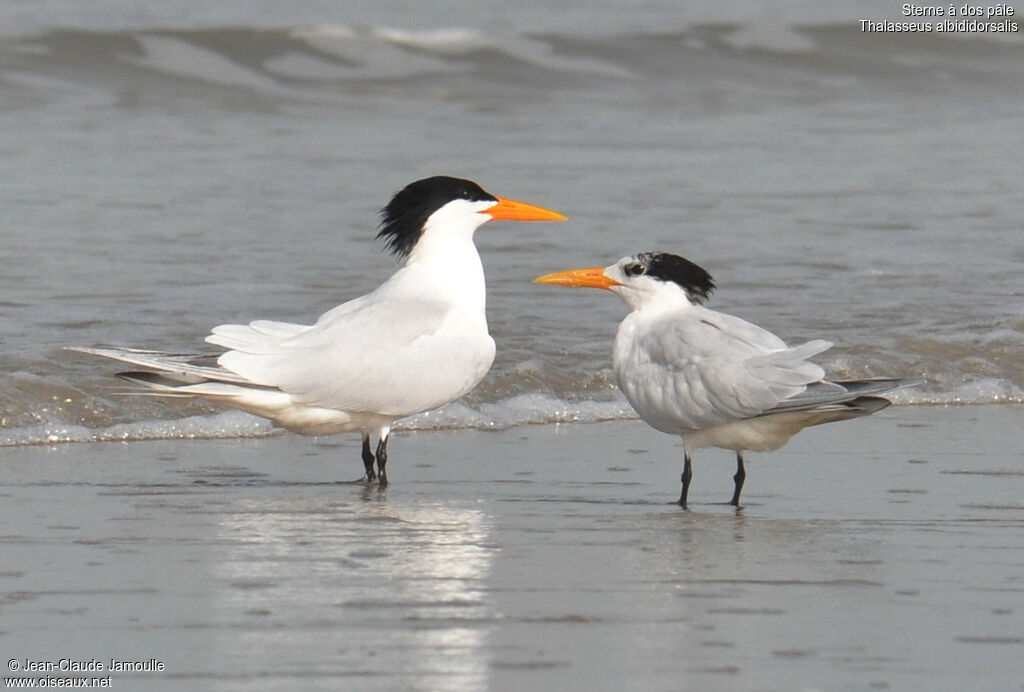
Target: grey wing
<point>722,368</point>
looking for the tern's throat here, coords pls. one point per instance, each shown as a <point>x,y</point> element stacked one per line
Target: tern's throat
<point>450,269</point>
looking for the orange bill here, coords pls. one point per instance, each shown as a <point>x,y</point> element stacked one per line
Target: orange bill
<point>511,210</point>
<point>579,278</point>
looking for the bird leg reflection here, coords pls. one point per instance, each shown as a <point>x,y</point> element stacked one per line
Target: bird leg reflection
<point>738,479</point>
<point>382,459</point>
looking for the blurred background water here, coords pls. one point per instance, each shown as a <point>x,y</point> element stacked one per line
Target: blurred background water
<point>170,169</point>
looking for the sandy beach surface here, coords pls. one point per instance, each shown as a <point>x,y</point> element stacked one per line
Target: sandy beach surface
<point>885,553</point>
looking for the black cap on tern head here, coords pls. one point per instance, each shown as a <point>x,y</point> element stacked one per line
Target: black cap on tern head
<point>668,267</point>
<point>401,221</point>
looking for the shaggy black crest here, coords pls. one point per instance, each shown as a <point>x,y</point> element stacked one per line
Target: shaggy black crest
<point>668,267</point>
<point>401,222</point>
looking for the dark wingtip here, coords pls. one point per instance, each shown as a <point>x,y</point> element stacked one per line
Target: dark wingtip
<point>866,405</point>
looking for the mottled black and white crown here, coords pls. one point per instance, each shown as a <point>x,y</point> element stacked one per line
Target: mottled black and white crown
<point>665,266</point>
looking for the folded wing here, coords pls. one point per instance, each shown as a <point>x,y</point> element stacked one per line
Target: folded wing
<point>360,358</point>
<point>707,369</point>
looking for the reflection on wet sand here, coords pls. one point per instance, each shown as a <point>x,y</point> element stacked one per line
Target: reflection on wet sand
<point>399,589</point>
<point>240,568</point>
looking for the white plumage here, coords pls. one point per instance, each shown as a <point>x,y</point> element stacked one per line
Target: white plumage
<point>714,379</point>
<point>419,341</point>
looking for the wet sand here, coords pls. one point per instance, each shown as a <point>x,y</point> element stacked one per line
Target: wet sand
<point>879,554</point>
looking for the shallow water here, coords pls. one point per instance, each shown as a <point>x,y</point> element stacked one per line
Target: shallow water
<point>883,554</point>
<point>172,171</point>
<point>176,171</point>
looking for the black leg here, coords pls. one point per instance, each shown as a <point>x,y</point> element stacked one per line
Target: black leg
<point>382,459</point>
<point>687,475</point>
<point>738,479</point>
<point>368,459</point>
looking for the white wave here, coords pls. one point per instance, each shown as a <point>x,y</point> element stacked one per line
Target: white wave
<point>177,57</point>
<point>336,31</point>
<point>453,41</point>
<point>777,38</point>
<point>983,391</point>
<point>457,42</point>
<point>300,66</point>
<point>368,50</point>
<point>229,424</point>
<point>523,409</point>
<point>385,51</point>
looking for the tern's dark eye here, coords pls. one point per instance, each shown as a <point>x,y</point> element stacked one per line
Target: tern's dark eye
<point>634,269</point>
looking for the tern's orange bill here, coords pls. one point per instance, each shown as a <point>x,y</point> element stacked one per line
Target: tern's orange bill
<point>511,210</point>
<point>579,278</point>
